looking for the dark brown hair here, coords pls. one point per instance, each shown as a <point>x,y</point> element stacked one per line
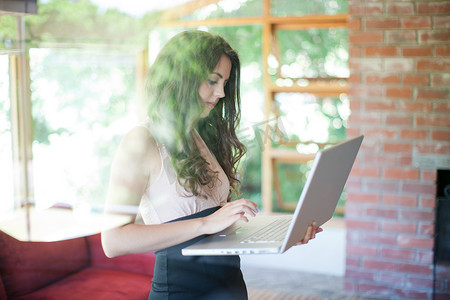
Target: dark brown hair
<point>175,108</point>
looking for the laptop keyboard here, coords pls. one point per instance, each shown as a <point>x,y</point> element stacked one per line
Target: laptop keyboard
<point>272,233</point>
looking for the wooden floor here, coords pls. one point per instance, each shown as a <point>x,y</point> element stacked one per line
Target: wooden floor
<point>254,294</point>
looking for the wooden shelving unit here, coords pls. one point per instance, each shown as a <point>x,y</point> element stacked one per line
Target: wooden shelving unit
<point>271,156</point>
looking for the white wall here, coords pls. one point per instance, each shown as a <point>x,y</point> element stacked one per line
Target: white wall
<point>325,255</point>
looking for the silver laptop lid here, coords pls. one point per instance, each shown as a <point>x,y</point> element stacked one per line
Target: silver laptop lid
<point>323,188</point>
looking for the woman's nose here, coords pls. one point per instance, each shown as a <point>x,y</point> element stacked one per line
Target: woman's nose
<point>219,91</point>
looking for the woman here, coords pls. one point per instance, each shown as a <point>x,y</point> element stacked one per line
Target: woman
<point>180,168</point>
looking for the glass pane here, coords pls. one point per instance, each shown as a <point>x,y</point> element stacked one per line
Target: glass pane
<point>246,40</point>
<point>292,178</point>
<point>8,33</point>
<point>284,8</point>
<point>308,118</point>
<point>6,161</point>
<point>306,123</point>
<point>312,53</point>
<point>227,9</point>
<point>82,103</point>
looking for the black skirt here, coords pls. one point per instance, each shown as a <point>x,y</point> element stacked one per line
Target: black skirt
<point>196,277</point>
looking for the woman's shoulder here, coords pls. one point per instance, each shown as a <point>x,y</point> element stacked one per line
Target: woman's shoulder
<point>138,133</point>
<point>140,147</point>
<point>139,140</point>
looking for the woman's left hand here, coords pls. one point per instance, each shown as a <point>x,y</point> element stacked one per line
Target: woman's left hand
<point>310,233</point>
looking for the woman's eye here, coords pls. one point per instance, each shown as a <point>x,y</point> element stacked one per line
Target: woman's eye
<point>212,81</point>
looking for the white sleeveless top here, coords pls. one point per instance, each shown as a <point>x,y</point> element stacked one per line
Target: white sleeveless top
<point>165,199</point>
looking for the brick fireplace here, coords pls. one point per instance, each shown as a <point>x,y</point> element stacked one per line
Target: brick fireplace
<point>399,95</point>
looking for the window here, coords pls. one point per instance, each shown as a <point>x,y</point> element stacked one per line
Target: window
<point>294,73</point>
<point>6,161</point>
<point>83,100</point>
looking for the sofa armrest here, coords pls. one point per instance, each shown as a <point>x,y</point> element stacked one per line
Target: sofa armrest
<point>29,266</point>
<point>142,263</point>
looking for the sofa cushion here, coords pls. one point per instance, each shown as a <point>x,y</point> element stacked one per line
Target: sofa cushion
<point>96,283</point>
<point>137,263</point>
<point>28,266</point>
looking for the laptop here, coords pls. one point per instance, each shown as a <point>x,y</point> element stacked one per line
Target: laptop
<point>274,234</point>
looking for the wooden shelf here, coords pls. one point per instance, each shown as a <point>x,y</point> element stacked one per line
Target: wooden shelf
<point>290,156</point>
<point>333,89</point>
<point>282,23</point>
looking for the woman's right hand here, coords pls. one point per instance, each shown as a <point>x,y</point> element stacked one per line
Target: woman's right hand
<point>229,214</point>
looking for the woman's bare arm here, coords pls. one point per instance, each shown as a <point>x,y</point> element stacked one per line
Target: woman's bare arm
<point>135,238</point>
<point>135,165</point>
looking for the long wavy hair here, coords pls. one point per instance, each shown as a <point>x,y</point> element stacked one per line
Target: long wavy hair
<point>175,108</point>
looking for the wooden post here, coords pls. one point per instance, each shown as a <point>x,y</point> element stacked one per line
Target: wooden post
<point>266,164</point>
<point>142,66</point>
<point>22,129</point>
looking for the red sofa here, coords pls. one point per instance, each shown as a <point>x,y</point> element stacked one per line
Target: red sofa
<point>71,269</point>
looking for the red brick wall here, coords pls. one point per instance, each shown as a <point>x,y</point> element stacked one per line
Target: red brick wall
<point>399,95</point>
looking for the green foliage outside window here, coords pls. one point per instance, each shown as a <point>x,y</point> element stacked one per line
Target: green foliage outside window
<point>8,33</point>
<point>81,100</point>
<point>313,53</point>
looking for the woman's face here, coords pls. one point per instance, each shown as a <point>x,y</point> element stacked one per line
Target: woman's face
<point>212,89</point>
